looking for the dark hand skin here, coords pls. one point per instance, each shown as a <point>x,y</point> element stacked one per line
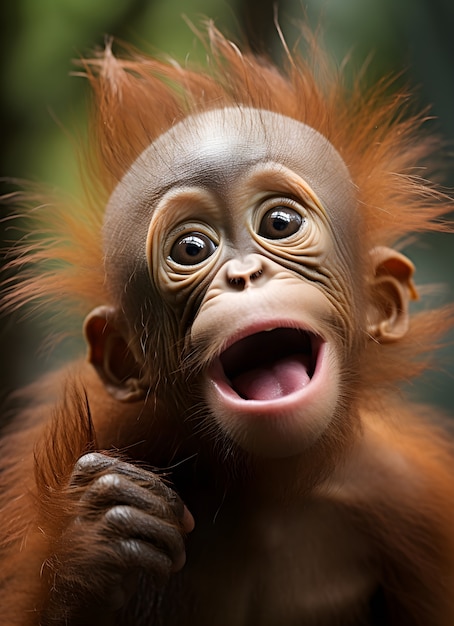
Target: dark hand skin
<point>133,522</point>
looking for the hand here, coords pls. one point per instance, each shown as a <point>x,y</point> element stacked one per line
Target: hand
<point>128,522</point>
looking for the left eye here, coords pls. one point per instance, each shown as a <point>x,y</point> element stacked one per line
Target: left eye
<point>280,222</point>
<point>192,248</point>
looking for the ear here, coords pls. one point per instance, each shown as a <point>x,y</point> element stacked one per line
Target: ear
<point>391,290</point>
<point>109,353</point>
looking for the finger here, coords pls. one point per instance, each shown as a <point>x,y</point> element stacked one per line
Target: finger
<point>94,465</point>
<point>114,489</point>
<point>134,525</point>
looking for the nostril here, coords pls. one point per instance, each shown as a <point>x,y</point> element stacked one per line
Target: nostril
<point>256,275</point>
<point>237,281</point>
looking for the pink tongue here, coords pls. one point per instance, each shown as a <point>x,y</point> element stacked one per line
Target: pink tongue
<point>278,380</point>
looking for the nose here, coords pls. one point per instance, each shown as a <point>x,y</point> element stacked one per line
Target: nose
<point>241,273</point>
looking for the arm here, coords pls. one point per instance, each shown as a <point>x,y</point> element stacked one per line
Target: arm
<point>81,528</point>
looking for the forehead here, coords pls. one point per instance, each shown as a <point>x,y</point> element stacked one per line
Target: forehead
<point>211,148</point>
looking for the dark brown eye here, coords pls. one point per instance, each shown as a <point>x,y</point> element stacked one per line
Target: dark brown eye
<point>192,248</point>
<point>280,222</point>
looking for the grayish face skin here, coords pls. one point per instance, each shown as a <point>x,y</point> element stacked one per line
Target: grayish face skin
<point>194,231</point>
<point>214,151</point>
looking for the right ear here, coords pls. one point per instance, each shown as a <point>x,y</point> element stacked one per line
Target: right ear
<point>391,290</point>
<point>110,355</point>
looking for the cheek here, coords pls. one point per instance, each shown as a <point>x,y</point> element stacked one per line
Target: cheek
<point>345,291</point>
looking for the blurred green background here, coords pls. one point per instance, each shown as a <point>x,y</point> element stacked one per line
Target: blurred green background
<point>42,105</point>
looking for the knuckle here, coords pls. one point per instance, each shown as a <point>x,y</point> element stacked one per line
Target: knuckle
<point>107,482</point>
<point>88,466</point>
<point>102,490</point>
<point>92,461</point>
<point>119,513</point>
<point>131,548</point>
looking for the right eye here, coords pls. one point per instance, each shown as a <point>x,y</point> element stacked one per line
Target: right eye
<point>192,248</point>
<point>280,222</point>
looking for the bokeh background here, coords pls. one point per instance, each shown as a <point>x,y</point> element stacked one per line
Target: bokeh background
<point>42,106</point>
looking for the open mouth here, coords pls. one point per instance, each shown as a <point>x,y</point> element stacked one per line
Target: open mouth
<point>271,364</point>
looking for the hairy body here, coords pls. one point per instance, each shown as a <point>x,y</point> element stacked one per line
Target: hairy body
<point>234,452</point>
<point>357,549</point>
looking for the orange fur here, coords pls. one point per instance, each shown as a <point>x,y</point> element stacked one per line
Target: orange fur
<point>396,483</point>
<point>138,98</point>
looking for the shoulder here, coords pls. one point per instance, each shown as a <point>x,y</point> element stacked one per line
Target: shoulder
<point>404,459</point>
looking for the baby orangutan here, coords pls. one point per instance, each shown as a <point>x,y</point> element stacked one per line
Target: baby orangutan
<point>234,452</point>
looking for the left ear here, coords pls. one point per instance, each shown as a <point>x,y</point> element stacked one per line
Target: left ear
<point>391,289</point>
